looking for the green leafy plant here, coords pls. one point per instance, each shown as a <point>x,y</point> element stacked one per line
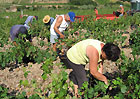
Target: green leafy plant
<point>124,85</point>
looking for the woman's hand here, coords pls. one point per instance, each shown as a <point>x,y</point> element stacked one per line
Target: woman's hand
<point>105,81</point>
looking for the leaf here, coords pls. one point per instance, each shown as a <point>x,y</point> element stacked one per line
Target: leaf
<point>106,86</point>
<point>44,76</point>
<point>42,43</point>
<point>54,83</point>
<point>85,84</point>
<point>115,82</point>
<point>62,92</point>
<point>90,92</point>
<point>64,74</point>
<point>65,86</point>
<point>23,93</point>
<point>35,96</point>
<point>26,74</point>
<point>52,95</point>
<point>24,82</point>
<point>45,67</point>
<point>123,88</point>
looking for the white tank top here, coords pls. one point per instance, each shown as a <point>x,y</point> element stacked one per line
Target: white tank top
<point>62,27</point>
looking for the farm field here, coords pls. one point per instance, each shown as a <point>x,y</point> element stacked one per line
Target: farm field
<point>45,77</point>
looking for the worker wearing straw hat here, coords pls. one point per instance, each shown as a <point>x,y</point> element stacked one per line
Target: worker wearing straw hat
<point>47,20</point>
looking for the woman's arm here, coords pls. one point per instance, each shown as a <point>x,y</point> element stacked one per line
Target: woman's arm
<point>93,56</point>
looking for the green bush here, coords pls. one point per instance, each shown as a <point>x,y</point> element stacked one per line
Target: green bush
<point>87,7</point>
<point>126,0</point>
<point>102,2</point>
<point>19,8</point>
<point>83,2</point>
<point>119,2</point>
<point>69,7</point>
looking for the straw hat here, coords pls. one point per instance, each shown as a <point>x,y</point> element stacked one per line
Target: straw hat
<point>46,19</point>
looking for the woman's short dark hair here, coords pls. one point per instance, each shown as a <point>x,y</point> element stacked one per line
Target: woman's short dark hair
<point>112,51</point>
<point>95,8</point>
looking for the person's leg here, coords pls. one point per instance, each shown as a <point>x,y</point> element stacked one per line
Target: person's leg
<point>52,40</point>
<point>62,44</point>
<point>76,90</point>
<point>117,13</point>
<point>120,15</point>
<point>72,77</point>
<point>54,47</point>
<point>78,75</point>
<point>63,49</point>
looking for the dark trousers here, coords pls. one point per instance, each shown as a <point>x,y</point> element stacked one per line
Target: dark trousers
<point>78,75</point>
<point>117,13</point>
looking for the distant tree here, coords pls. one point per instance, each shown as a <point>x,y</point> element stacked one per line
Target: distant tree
<point>126,0</point>
<point>82,2</point>
<point>19,1</point>
<point>102,2</point>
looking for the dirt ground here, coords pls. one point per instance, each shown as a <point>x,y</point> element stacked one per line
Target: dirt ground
<point>11,79</point>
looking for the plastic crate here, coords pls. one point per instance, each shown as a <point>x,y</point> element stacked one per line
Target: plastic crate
<point>135,4</point>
